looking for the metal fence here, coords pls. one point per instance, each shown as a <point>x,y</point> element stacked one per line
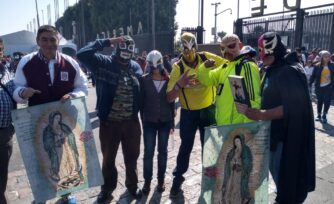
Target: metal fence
<point>309,27</point>
<point>318,29</point>
<point>163,42</point>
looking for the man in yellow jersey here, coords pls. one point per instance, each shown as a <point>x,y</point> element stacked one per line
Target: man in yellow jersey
<point>226,112</point>
<point>197,102</point>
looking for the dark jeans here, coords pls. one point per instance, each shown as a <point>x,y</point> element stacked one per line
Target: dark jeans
<point>324,99</point>
<point>274,167</point>
<point>275,162</point>
<point>152,131</point>
<point>6,149</point>
<point>112,133</point>
<point>190,121</point>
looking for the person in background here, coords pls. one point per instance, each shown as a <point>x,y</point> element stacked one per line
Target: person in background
<point>304,52</point>
<point>157,118</point>
<point>142,63</point>
<point>48,75</point>
<point>301,56</point>
<point>167,64</point>
<point>6,128</point>
<point>323,76</point>
<point>308,68</point>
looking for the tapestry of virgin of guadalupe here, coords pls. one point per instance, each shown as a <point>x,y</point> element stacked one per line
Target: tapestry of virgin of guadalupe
<point>236,164</point>
<point>58,149</point>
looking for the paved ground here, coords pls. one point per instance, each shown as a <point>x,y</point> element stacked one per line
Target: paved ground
<point>19,192</point>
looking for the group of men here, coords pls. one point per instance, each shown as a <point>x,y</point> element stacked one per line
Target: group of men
<point>199,79</point>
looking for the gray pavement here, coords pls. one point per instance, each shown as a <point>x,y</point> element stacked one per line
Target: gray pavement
<point>19,192</point>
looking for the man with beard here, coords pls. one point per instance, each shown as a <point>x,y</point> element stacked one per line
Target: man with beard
<point>286,102</point>
<point>239,64</point>
<point>119,100</point>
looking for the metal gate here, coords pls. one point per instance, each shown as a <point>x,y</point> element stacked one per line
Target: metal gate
<point>309,27</point>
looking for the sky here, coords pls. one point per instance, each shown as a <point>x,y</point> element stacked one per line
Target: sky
<point>15,18</point>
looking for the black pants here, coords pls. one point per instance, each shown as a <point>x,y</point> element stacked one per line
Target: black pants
<point>324,99</point>
<point>6,148</point>
<point>112,134</point>
<point>190,121</point>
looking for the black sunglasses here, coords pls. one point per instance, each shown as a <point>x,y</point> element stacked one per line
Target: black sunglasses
<point>231,46</point>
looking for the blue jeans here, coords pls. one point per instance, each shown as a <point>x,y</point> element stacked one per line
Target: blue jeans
<point>190,121</point>
<point>152,131</point>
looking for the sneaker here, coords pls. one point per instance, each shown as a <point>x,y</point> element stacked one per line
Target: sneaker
<point>104,196</point>
<point>146,188</point>
<point>324,119</point>
<point>137,194</point>
<point>161,186</point>
<point>318,118</point>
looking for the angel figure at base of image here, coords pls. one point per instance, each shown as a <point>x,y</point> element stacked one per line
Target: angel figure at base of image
<point>237,169</point>
<point>60,146</point>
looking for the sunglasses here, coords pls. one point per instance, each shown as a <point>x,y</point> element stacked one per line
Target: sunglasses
<point>230,46</point>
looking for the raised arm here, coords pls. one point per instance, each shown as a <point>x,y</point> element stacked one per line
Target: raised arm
<point>89,55</point>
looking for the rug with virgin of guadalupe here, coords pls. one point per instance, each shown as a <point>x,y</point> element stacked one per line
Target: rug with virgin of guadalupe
<point>58,148</point>
<point>236,164</point>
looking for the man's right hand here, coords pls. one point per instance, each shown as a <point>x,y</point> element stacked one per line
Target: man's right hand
<point>29,92</point>
<point>117,40</point>
<point>209,63</point>
<point>185,80</point>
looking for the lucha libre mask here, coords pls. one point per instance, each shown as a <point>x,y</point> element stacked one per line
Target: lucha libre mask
<point>125,49</point>
<point>189,46</point>
<point>154,61</point>
<point>270,44</point>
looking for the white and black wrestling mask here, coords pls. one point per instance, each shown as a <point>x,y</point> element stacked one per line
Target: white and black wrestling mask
<point>126,49</point>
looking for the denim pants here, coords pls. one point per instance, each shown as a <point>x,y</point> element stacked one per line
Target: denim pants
<point>275,162</point>
<point>190,121</point>
<point>6,149</point>
<point>112,134</point>
<point>152,131</point>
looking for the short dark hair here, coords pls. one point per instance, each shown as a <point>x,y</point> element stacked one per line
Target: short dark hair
<point>46,28</point>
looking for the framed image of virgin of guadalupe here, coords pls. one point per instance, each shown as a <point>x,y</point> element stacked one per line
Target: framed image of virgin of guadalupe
<point>58,149</point>
<point>236,164</point>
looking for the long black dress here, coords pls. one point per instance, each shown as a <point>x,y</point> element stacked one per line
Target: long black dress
<point>285,84</point>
